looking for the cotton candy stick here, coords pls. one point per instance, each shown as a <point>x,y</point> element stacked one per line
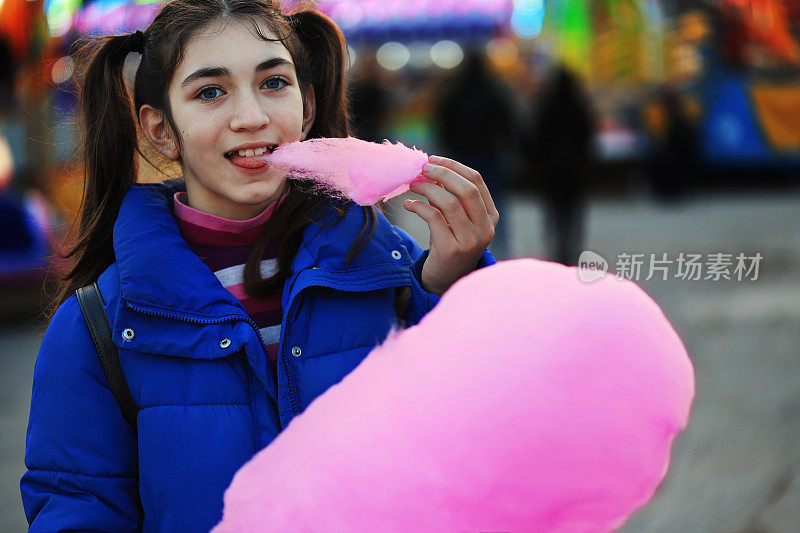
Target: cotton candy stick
<point>526,400</point>
<point>364,171</point>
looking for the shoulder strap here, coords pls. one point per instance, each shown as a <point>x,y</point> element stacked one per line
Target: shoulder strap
<point>91,303</point>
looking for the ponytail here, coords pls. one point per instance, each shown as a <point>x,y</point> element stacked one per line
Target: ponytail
<point>110,165</point>
<point>326,51</point>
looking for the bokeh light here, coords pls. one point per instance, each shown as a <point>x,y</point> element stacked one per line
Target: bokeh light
<point>502,53</point>
<point>393,55</point>
<point>420,52</point>
<point>352,54</point>
<point>528,18</point>
<point>63,69</point>
<point>447,54</point>
<point>59,15</point>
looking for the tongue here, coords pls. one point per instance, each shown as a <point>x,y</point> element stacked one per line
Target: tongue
<point>255,161</point>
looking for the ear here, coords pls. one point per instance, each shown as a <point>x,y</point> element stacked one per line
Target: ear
<point>158,132</point>
<point>309,111</point>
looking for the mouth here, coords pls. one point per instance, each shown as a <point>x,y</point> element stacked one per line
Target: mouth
<point>252,152</point>
<point>255,158</point>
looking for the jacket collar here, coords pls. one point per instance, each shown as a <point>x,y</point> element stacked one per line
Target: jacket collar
<point>159,272</point>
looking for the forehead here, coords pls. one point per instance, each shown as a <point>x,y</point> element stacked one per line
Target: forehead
<point>231,44</point>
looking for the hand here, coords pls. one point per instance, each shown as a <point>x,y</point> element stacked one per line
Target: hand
<point>462,220</point>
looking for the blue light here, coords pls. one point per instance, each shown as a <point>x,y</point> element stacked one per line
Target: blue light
<point>528,18</point>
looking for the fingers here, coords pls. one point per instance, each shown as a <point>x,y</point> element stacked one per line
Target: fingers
<point>474,177</point>
<point>464,198</point>
<point>461,216</point>
<point>440,231</point>
<point>466,193</point>
<point>451,210</point>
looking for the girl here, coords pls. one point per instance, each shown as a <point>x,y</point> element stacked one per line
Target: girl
<point>235,295</point>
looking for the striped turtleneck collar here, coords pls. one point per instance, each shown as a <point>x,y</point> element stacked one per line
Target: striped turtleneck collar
<point>205,228</point>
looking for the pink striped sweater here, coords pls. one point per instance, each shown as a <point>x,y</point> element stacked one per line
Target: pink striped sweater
<point>224,245</point>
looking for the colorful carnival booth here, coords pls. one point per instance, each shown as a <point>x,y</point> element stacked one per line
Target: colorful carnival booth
<point>732,64</point>
<point>751,91</point>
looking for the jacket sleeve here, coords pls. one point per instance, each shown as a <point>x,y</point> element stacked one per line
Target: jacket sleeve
<point>80,454</point>
<point>422,301</point>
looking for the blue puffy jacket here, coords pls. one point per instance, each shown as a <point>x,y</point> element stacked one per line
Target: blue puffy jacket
<point>205,406</point>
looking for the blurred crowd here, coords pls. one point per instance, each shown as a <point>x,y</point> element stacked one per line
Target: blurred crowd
<point>539,137</point>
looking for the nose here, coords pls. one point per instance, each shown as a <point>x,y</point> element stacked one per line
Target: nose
<point>249,113</point>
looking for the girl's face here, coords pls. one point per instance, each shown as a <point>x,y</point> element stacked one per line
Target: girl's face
<point>235,91</point>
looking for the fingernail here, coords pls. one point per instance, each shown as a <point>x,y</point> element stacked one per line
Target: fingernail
<point>435,159</point>
<point>427,167</point>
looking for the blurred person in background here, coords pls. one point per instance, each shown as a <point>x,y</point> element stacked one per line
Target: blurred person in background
<point>368,100</point>
<point>558,154</point>
<point>8,73</point>
<point>675,159</point>
<point>474,125</point>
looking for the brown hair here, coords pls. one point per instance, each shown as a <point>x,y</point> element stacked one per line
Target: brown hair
<point>318,49</point>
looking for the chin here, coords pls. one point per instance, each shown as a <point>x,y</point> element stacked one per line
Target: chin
<point>256,193</point>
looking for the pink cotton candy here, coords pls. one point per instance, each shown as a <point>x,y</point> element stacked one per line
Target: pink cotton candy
<point>526,400</point>
<point>364,171</point>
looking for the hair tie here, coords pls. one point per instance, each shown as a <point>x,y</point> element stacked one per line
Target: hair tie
<point>136,42</point>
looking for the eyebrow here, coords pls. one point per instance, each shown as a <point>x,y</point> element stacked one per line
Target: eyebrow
<point>222,72</point>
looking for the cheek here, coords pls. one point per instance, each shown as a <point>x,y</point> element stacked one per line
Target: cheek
<point>288,112</point>
<point>200,137</point>
<point>292,120</point>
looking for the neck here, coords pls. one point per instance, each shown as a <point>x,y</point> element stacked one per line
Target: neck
<point>228,209</point>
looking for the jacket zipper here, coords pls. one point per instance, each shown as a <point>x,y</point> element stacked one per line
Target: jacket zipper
<point>218,320</point>
<point>294,402</point>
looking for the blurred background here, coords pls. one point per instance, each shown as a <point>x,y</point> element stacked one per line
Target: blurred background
<point>631,127</point>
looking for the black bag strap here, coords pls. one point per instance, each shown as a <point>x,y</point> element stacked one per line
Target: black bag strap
<point>91,303</point>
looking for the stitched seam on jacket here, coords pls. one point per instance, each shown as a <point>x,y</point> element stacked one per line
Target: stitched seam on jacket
<point>375,279</point>
<point>251,382</point>
<point>368,268</point>
<point>191,405</point>
<point>101,475</point>
<point>372,345</point>
<point>152,349</point>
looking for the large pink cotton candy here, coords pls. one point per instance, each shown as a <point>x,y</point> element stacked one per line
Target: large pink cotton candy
<point>364,171</point>
<point>526,400</point>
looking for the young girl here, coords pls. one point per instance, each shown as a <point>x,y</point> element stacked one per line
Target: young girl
<point>235,295</point>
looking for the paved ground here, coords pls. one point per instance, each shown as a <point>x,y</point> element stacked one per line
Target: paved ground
<point>17,357</point>
<point>736,469</point>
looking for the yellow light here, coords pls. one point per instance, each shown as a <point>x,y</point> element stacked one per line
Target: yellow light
<point>502,53</point>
